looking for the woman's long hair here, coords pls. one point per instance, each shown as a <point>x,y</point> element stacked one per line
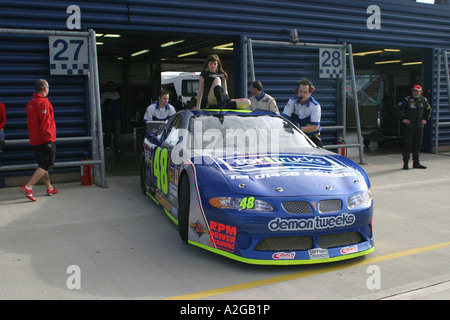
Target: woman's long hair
<point>215,57</point>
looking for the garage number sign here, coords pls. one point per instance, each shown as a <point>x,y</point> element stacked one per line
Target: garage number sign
<point>331,63</point>
<point>68,55</point>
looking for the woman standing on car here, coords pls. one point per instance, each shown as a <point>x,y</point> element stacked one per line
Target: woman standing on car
<point>212,88</point>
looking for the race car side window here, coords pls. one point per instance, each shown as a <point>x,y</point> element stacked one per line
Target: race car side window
<point>173,132</point>
<point>163,129</point>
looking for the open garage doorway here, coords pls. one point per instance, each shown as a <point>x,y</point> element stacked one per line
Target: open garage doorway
<point>135,61</point>
<point>383,77</point>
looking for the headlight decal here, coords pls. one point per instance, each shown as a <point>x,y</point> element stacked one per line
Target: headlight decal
<point>246,203</point>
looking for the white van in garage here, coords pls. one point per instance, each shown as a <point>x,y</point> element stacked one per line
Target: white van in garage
<point>180,83</point>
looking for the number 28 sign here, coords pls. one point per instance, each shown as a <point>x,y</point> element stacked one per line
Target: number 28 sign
<point>69,55</point>
<point>331,63</point>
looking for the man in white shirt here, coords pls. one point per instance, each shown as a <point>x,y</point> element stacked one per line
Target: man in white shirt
<point>305,112</point>
<point>261,100</point>
<point>160,110</point>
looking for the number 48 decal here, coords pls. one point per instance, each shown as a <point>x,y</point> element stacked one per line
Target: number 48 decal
<point>160,169</point>
<point>247,203</point>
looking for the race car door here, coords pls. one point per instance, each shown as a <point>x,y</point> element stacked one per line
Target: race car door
<point>164,167</point>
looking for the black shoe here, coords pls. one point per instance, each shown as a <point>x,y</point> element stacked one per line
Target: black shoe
<point>417,165</point>
<point>405,163</point>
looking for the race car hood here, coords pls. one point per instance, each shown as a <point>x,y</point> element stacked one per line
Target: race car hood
<point>290,174</point>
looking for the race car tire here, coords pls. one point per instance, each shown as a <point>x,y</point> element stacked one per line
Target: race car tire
<point>142,173</point>
<point>184,199</point>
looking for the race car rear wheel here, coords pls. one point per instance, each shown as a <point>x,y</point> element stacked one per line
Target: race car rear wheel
<point>184,199</point>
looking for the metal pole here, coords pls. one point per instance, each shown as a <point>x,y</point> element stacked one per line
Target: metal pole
<point>57,165</point>
<point>97,106</point>
<point>245,67</point>
<point>438,98</point>
<point>298,44</point>
<point>67,139</point>
<point>44,32</point>
<point>355,91</point>
<point>94,144</point>
<point>344,92</point>
<point>252,62</point>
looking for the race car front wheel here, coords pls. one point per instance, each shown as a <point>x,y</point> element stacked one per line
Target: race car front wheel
<point>184,199</point>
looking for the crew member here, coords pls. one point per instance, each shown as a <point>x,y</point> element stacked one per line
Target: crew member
<point>414,112</point>
<point>160,110</point>
<point>261,100</point>
<point>42,134</point>
<point>304,111</point>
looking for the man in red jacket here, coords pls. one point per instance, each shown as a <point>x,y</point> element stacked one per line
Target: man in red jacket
<point>42,134</point>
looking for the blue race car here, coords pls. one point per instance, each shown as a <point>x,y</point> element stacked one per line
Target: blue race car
<point>252,187</point>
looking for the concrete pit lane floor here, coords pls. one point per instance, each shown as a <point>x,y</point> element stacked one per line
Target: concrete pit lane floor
<point>88,242</point>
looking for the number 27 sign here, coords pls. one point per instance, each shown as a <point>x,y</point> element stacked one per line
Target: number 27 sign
<point>68,55</point>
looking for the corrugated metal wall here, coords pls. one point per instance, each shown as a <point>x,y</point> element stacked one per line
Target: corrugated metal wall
<point>403,23</point>
<point>23,60</point>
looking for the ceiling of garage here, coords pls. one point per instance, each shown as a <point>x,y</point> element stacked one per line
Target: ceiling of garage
<point>113,47</point>
<point>382,58</point>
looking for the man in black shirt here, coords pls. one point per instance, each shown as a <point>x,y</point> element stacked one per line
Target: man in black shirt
<point>414,112</point>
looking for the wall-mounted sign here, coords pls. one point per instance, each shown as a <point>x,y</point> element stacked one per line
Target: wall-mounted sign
<point>69,55</point>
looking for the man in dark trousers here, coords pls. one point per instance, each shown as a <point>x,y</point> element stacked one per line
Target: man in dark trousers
<point>110,101</point>
<point>414,112</point>
<point>42,134</point>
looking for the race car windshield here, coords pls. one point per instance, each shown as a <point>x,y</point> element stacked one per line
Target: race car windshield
<point>235,134</point>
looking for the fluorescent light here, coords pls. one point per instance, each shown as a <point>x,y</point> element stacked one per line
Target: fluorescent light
<point>99,43</point>
<point>139,52</point>
<point>367,52</point>
<point>411,63</point>
<point>389,61</point>
<point>226,46</point>
<point>112,35</point>
<point>375,52</point>
<point>171,43</point>
<point>187,54</point>
<point>425,1</point>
